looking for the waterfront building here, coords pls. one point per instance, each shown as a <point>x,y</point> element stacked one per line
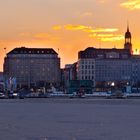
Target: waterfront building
<point>106,66</point>
<point>33,66</point>
<point>101,65</point>
<point>1,77</point>
<point>69,74</point>
<point>86,65</point>
<point>70,71</point>
<point>135,62</point>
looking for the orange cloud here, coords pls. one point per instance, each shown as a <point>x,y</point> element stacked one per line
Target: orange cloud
<point>98,30</point>
<point>75,27</point>
<point>104,34</point>
<point>112,39</point>
<point>101,35</point>
<point>88,29</point>
<point>107,37</point>
<point>131,4</point>
<point>57,27</point>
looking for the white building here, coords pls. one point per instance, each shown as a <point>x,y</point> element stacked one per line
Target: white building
<point>86,69</point>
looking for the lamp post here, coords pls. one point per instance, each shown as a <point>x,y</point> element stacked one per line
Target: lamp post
<point>112,86</point>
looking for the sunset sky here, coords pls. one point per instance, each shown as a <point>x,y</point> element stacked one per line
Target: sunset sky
<point>70,25</point>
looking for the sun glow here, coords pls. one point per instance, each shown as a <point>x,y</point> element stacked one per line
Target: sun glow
<point>131,4</point>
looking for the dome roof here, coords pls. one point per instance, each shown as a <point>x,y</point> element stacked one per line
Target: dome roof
<point>128,34</point>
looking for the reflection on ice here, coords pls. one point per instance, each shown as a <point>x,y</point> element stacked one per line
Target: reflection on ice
<point>69,119</point>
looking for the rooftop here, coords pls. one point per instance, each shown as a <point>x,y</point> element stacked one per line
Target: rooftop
<point>92,52</point>
<point>24,50</point>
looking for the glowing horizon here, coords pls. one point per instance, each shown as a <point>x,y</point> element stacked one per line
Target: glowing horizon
<point>45,23</point>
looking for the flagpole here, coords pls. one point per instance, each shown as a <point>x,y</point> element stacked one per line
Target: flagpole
<point>5,79</point>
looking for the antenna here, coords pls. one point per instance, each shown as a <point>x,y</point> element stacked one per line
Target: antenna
<point>5,50</point>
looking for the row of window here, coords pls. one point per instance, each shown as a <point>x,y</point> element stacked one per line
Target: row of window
<point>32,54</point>
<point>87,78</point>
<point>87,66</point>
<point>87,62</point>
<point>87,72</point>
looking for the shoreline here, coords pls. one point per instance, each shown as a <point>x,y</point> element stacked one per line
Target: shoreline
<point>85,101</point>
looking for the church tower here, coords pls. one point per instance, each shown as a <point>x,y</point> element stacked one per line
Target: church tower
<point>128,37</point>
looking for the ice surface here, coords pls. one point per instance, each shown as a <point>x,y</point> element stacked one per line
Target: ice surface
<point>69,119</point>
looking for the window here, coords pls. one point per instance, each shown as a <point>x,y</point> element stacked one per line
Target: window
<point>100,56</point>
<point>112,55</point>
<point>124,56</point>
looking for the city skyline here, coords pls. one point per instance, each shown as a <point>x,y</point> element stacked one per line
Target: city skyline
<point>68,25</point>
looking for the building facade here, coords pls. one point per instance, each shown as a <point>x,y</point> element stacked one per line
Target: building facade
<point>102,65</point>
<point>33,66</point>
<point>86,69</point>
<point>135,62</point>
<point>109,66</point>
<point>69,74</point>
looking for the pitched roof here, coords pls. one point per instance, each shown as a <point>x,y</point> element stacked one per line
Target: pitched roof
<point>24,50</point>
<point>92,52</point>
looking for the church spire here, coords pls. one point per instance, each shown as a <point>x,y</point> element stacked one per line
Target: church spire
<point>128,37</point>
<point>127,26</point>
<point>128,33</point>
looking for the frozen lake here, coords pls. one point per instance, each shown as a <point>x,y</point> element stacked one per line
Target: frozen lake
<point>69,119</point>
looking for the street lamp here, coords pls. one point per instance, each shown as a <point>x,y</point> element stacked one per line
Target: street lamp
<point>112,86</point>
